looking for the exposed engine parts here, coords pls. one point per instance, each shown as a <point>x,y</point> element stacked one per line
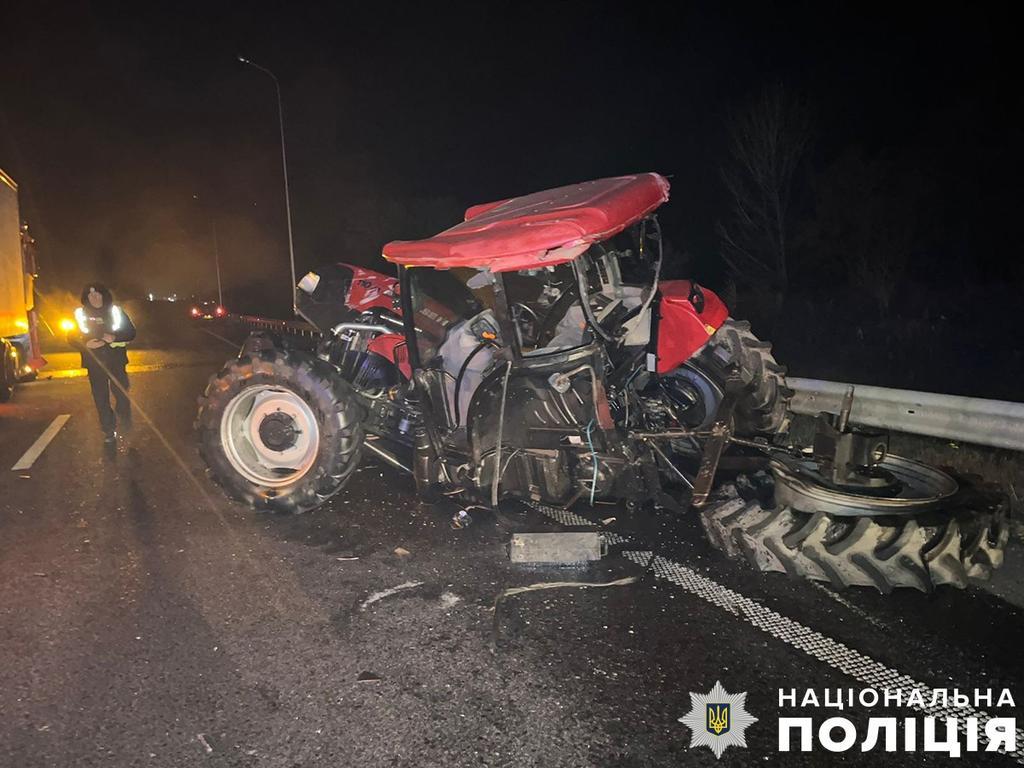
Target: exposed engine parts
<point>534,351</point>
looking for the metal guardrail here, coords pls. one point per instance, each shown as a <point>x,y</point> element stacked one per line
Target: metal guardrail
<point>293,327</point>
<point>995,423</point>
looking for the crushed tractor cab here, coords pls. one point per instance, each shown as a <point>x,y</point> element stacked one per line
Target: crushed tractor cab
<point>533,351</point>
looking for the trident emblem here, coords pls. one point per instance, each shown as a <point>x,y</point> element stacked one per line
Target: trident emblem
<point>718,718</point>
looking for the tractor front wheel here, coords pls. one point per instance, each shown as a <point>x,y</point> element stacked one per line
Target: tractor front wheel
<point>279,430</point>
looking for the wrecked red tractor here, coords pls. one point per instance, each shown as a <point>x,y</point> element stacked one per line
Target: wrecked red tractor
<point>533,351</point>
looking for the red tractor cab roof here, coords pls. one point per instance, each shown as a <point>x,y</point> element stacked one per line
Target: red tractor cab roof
<point>538,230</point>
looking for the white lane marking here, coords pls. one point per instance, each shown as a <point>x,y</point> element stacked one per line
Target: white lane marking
<point>565,517</point>
<point>821,647</point>
<point>29,457</point>
<point>835,654</point>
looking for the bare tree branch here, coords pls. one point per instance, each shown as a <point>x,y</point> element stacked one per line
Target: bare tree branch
<point>767,143</point>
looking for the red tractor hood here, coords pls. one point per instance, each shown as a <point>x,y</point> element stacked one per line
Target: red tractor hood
<point>538,230</point>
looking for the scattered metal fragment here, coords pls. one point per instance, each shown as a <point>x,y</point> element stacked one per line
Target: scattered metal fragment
<point>205,743</point>
<point>550,585</point>
<point>561,584</point>
<point>377,596</point>
<point>368,677</point>
<point>461,519</point>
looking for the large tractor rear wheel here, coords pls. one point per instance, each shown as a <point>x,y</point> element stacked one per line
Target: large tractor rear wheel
<point>279,430</point>
<point>964,537</point>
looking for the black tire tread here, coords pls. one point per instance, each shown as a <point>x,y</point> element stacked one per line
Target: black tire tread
<point>8,371</point>
<point>883,553</point>
<point>338,411</point>
<point>765,407</point>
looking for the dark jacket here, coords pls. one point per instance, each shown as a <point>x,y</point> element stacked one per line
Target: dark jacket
<point>95,323</point>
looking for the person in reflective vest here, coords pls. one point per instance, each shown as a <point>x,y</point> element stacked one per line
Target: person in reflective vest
<point>102,333</point>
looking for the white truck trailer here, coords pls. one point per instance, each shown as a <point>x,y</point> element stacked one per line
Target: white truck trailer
<point>19,340</point>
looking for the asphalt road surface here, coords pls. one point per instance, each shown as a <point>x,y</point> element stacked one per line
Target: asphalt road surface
<point>147,620</point>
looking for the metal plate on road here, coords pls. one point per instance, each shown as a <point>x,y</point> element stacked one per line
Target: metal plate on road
<point>561,548</point>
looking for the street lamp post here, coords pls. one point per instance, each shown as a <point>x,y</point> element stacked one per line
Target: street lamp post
<point>216,260</point>
<point>216,249</point>
<point>284,166</point>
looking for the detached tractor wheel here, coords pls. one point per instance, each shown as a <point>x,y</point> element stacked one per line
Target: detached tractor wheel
<point>763,408</point>
<point>948,541</point>
<point>279,430</point>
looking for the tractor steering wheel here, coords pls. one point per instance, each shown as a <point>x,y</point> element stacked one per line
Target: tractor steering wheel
<point>527,330</point>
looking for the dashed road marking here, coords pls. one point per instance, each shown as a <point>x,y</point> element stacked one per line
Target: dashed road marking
<point>835,654</point>
<point>35,451</point>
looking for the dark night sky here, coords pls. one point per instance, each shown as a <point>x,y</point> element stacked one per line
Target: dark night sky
<point>400,115</point>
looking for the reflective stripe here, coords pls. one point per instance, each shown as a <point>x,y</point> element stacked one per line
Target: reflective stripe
<point>83,324</point>
<point>115,317</point>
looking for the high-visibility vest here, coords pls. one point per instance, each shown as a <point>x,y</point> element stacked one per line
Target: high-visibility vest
<point>116,318</point>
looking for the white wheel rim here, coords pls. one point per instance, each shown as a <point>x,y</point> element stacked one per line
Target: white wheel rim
<point>272,453</point>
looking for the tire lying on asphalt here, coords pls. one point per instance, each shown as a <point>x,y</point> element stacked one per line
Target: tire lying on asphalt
<point>279,430</point>
<point>763,408</point>
<point>922,552</point>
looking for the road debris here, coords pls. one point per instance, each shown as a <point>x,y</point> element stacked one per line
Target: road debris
<point>559,548</point>
<point>550,585</point>
<point>205,743</point>
<point>346,559</point>
<point>563,584</point>
<point>461,519</point>
<point>449,599</point>
<point>368,677</point>
<point>402,552</point>
<point>377,596</point>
